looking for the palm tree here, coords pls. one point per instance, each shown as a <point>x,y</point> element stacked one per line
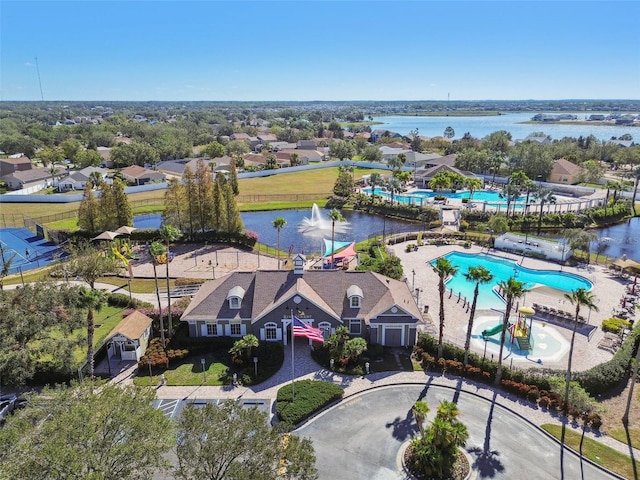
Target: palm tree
<point>578,298</point>
<point>92,300</point>
<point>169,233</point>
<point>335,216</point>
<point>473,184</point>
<point>278,224</point>
<point>636,181</point>
<point>156,249</point>
<point>374,179</point>
<point>511,289</point>
<point>394,187</point>
<point>444,269</point>
<point>479,275</point>
<point>420,410</point>
<point>544,195</point>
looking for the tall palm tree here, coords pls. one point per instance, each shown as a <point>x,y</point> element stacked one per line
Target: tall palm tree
<point>473,184</point>
<point>92,300</point>
<point>278,224</point>
<point>374,179</point>
<point>335,216</point>
<point>544,195</point>
<point>511,289</point>
<point>169,234</point>
<point>479,275</point>
<point>444,269</point>
<point>156,249</point>
<point>420,410</point>
<point>578,298</point>
<point>394,187</point>
<point>636,182</point>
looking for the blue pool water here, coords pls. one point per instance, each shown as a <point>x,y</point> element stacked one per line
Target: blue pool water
<point>417,196</point>
<point>502,270</point>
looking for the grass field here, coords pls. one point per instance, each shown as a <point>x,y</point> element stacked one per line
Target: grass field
<point>318,182</point>
<point>598,453</point>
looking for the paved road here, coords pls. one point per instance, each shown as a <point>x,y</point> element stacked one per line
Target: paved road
<point>361,438</point>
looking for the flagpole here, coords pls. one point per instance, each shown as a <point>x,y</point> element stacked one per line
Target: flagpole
<point>293,363</point>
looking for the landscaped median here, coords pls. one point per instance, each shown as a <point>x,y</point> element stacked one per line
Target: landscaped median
<point>298,401</point>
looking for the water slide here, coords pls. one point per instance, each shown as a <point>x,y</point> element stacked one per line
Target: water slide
<point>120,256</point>
<point>489,332</point>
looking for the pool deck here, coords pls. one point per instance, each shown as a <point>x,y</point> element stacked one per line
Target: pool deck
<point>607,289</point>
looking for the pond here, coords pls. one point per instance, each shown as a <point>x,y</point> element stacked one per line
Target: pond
<point>359,227</point>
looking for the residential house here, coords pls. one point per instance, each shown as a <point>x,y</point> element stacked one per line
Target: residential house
<point>307,145</point>
<point>14,163</point>
<point>129,340</point>
<point>565,172</point>
<point>379,309</point>
<point>78,180</point>
<point>105,153</point>
<point>140,176</point>
<point>305,156</point>
<point>378,134</point>
<point>391,152</point>
<point>35,179</point>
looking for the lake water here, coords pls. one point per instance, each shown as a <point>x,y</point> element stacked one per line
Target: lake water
<point>480,127</point>
<point>622,239</point>
<point>361,226</point>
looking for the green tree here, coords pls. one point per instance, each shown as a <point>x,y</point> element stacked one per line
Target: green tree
<point>420,410</point>
<point>443,269</point>
<point>71,148</point>
<point>334,216</point>
<point>244,347</point>
<point>237,147</point>
<point>344,183</point>
<point>124,213</point>
<point>441,181</point>
<point>175,204</point>
<point>92,301</point>
<point>375,179</point>
<point>233,177</point>
<point>189,184</point>
<point>278,224</point>
<point>544,195</point>
<point>435,453</point>
<point>228,441</point>
<point>218,212</point>
<point>294,160</point>
<point>109,433</point>
<point>124,155</point>
<point>47,336</point>
<point>371,153</point>
<point>591,171</point>
<point>511,289</point>
<point>203,199</point>
<point>169,234</point>
<point>87,158</point>
<point>51,156</point>
<point>108,209</point>
<point>214,150</point>
<point>341,149</point>
<point>394,186</point>
<point>89,263</point>
<point>580,297</point>
<point>478,275</point>
<point>233,221</point>
<point>473,184</point>
<point>156,251</point>
<point>449,133</point>
<point>88,210</point>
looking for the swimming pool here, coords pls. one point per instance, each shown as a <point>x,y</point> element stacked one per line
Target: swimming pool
<point>502,270</point>
<point>417,197</point>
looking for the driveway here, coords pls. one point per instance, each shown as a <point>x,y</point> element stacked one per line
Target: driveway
<point>361,438</point>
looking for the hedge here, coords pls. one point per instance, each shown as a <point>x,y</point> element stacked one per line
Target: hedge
<point>310,397</point>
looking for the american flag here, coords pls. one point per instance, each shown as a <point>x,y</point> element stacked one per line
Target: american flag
<point>301,329</point>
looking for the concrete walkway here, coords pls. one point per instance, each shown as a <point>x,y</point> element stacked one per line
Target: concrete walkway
<point>307,368</point>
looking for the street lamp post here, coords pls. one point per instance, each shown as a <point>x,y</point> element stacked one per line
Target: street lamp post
<point>204,371</point>
<point>413,279</point>
<point>484,354</point>
<point>255,366</point>
<point>150,373</point>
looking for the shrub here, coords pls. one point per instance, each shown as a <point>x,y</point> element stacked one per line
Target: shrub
<point>606,376</point>
<point>122,300</point>
<point>310,397</point>
<point>615,325</point>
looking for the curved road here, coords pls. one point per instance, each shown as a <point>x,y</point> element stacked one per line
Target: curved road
<point>360,438</point>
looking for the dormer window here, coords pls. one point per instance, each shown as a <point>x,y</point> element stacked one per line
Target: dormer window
<point>355,296</point>
<point>235,296</point>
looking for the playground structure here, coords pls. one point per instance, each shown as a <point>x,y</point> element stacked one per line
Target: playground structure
<point>519,331</point>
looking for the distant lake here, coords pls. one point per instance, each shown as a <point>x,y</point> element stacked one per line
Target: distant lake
<point>621,239</point>
<point>480,127</point>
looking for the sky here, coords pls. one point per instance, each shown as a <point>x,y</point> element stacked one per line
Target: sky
<point>301,50</point>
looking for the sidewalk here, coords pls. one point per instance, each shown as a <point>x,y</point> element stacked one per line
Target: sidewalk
<point>307,368</point>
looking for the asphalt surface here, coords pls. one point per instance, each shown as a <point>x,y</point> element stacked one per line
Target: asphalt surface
<point>363,438</point>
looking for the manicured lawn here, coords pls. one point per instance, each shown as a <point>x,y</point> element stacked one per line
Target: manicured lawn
<point>189,372</point>
<point>621,435</point>
<point>596,452</point>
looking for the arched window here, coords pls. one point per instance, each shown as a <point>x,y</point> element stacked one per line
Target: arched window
<point>271,331</point>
